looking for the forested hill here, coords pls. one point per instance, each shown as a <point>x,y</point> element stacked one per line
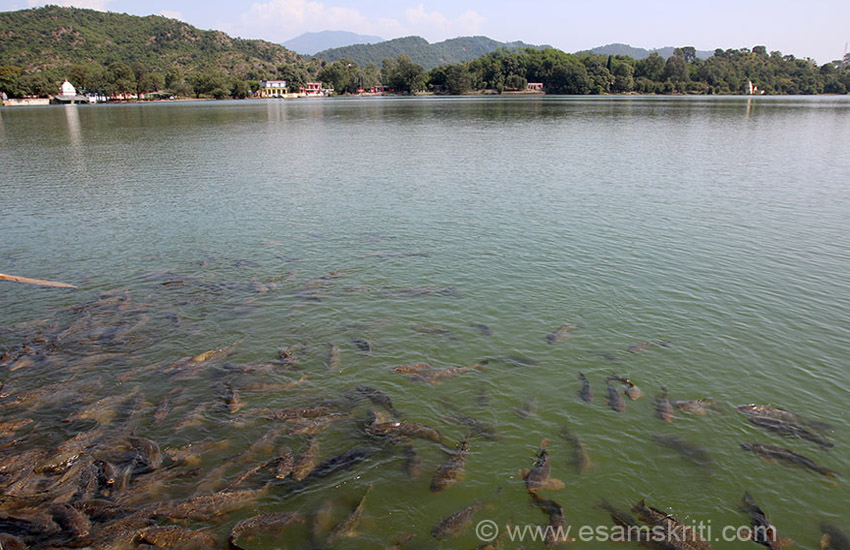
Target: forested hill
<point>641,53</point>
<point>420,51</point>
<point>54,38</point>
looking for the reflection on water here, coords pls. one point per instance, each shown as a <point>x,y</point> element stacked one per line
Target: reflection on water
<point>255,291</point>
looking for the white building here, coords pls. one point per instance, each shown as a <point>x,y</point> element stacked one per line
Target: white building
<point>67,89</point>
<point>272,88</point>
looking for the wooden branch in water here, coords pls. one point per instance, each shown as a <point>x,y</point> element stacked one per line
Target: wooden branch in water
<point>39,282</point>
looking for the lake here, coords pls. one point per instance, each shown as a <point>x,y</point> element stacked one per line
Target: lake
<point>699,244</point>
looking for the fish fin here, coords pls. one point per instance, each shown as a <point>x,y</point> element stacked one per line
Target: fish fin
<point>783,542</point>
<point>523,473</point>
<point>768,460</point>
<point>545,443</point>
<point>553,484</point>
<point>825,541</point>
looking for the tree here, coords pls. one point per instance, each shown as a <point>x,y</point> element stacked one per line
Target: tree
<point>122,78</point>
<point>651,67</point>
<point>405,76</point>
<point>10,80</point>
<point>458,81</point>
<point>676,71</point>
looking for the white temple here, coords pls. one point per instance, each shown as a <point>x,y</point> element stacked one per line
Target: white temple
<point>67,89</point>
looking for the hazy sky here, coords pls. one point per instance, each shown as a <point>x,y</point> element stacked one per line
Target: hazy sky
<point>816,28</point>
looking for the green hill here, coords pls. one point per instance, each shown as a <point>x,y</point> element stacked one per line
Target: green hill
<point>54,38</point>
<point>420,51</point>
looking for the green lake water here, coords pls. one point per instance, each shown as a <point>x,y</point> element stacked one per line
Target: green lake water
<point>717,225</point>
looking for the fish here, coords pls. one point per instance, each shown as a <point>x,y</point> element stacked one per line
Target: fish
<point>781,454</point>
<point>231,398</point>
<point>285,464</point>
<point>476,427</point>
<point>483,329</point>
<point>834,538</point>
<point>204,507</point>
<point>214,354</point>
<point>296,413</point>
<point>11,542</point>
<point>412,368</point>
<point>695,453</point>
<point>585,392</point>
<point>164,406</point>
<point>404,429</point>
<point>558,530</point>
<point>148,454</point>
<point>71,520</point>
<point>538,476</point>
<point>334,360</point>
<point>619,517</point>
<point>307,461</point>
<point>663,407</point>
<point>266,523</point>
<point>174,537</point>
<point>560,334</point>
<point>677,535</point>
<point>615,400</point>
<point>456,523</point>
<point>346,528</point>
<point>412,462</point>
<point>343,461</point>
<point>529,408</point>
<point>632,392</point>
<point>695,406</point>
<point>581,460</point>
<point>378,398</point>
<point>362,345</point>
<point>438,375</point>
<point>451,471</point>
<point>8,428</point>
<point>763,531</point>
<point>430,329</point>
<point>786,428</point>
<point>783,414</point>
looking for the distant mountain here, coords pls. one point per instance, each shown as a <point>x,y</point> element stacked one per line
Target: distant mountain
<point>640,53</point>
<point>312,42</point>
<point>421,52</point>
<point>54,38</point>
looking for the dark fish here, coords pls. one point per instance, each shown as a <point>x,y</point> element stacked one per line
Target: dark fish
<point>346,528</point>
<point>11,542</point>
<point>204,507</point>
<point>643,346</point>
<point>619,517</point>
<point>378,398</point>
<point>581,460</point>
<point>164,406</point>
<point>676,535</point>
<point>148,455</point>
<point>449,472</point>
<point>781,454</point>
<point>285,464</point>
<point>404,429</point>
<point>412,462</point>
<point>343,461</point>
<point>71,520</point>
<point>834,538</point>
<point>691,451</point>
<point>483,329</point>
<point>785,428</point>
<point>615,399</point>
<point>454,524</point>
<point>663,407</point>
<point>585,392</point>
<point>561,334</point>
<point>763,531</point>
<point>538,477</point>
<point>334,360</point>
<point>557,532</point>
<point>266,524</point>
<point>362,344</point>
<point>429,329</point>
<point>529,408</point>
<point>476,427</point>
<point>307,461</point>
<point>782,414</point>
<point>231,398</point>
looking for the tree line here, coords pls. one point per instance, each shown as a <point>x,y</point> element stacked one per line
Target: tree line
<point>726,72</point>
